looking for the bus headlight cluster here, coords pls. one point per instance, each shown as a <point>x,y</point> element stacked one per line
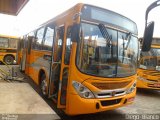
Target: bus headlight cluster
<point>132,88</point>
<point>83,91</point>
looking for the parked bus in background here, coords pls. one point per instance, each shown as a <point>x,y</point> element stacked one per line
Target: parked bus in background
<point>8,48</point>
<point>149,67</point>
<point>149,63</point>
<point>85,63</point>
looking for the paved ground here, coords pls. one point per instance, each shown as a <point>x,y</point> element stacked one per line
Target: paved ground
<point>21,101</point>
<point>146,105</point>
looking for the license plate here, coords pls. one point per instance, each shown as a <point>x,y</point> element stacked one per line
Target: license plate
<point>157,85</point>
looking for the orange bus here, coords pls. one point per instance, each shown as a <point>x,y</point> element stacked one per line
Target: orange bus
<point>85,63</point>
<point>149,67</point>
<point>8,49</point>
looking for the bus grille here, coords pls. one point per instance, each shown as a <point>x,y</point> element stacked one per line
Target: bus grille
<point>109,86</point>
<point>110,102</point>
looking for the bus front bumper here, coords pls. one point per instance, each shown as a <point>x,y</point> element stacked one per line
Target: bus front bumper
<point>77,105</point>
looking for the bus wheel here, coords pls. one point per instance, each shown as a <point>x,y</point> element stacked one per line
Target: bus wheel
<point>44,85</point>
<point>9,59</point>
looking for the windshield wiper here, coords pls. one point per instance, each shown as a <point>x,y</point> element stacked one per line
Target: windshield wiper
<point>107,37</point>
<point>128,38</point>
<point>105,34</point>
<point>109,44</point>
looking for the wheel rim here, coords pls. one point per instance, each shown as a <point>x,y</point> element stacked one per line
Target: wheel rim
<point>9,60</point>
<point>44,87</point>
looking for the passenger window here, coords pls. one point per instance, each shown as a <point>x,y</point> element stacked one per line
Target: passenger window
<point>68,46</point>
<point>39,38</point>
<point>48,39</point>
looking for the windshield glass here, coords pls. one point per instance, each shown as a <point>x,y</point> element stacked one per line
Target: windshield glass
<point>150,60</point>
<point>96,57</point>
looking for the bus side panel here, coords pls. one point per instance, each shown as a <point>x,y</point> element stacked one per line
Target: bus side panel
<point>1,57</point>
<point>148,79</point>
<point>37,63</point>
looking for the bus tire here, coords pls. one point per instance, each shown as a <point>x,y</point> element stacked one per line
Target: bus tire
<point>9,59</point>
<point>43,85</point>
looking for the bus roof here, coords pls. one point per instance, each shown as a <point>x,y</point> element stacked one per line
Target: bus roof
<point>75,7</point>
<point>78,7</point>
<point>8,36</point>
<point>73,10</point>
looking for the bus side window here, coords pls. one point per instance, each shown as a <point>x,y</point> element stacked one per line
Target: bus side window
<point>13,43</point>
<point>68,46</point>
<point>4,42</point>
<point>39,38</point>
<point>48,39</point>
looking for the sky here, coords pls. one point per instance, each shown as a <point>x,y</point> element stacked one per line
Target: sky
<point>37,12</point>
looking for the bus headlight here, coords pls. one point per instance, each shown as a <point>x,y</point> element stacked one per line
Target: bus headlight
<point>83,91</point>
<point>132,88</point>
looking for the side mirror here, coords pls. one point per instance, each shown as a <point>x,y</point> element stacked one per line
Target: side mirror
<point>75,32</point>
<point>148,34</point>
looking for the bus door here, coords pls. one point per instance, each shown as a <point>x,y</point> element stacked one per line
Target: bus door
<point>22,53</point>
<point>60,66</point>
<point>62,94</point>
<point>55,74</point>
<point>30,38</point>
<point>27,56</point>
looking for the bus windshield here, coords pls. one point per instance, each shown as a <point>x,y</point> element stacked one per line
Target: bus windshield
<point>150,60</point>
<point>95,56</point>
